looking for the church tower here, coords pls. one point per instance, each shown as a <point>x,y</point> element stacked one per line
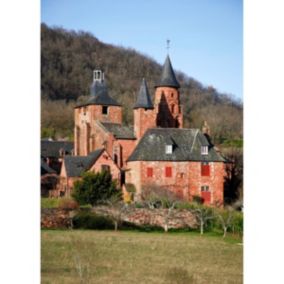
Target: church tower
<point>99,107</point>
<point>144,113</point>
<point>167,99</point>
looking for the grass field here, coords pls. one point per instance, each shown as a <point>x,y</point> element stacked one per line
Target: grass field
<point>135,257</point>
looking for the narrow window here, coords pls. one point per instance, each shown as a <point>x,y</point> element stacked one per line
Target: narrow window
<point>105,168</point>
<point>169,149</point>
<point>105,110</point>
<point>172,108</point>
<point>149,172</point>
<point>168,171</point>
<point>204,188</point>
<point>205,169</point>
<point>204,150</point>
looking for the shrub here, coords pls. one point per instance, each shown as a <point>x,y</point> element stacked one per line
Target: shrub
<point>68,203</point>
<point>47,202</point>
<point>89,220</point>
<point>94,188</point>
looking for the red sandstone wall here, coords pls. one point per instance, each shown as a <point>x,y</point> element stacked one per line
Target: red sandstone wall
<point>85,118</point>
<point>172,98</point>
<point>143,120</point>
<point>186,179</point>
<point>215,181</point>
<point>127,147</point>
<point>105,159</point>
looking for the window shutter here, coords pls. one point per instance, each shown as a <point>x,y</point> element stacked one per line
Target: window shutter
<point>168,171</point>
<point>149,172</point>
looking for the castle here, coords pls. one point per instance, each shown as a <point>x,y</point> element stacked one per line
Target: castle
<point>156,151</point>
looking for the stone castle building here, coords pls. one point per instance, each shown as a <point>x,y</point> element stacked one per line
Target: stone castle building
<point>156,151</point>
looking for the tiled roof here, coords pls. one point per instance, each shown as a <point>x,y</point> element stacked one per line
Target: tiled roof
<point>76,165</point>
<point>119,131</point>
<point>45,168</point>
<point>143,98</point>
<point>99,96</point>
<point>186,146</point>
<point>168,78</point>
<point>52,148</point>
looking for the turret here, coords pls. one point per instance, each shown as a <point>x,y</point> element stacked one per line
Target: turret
<point>144,113</point>
<point>167,98</point>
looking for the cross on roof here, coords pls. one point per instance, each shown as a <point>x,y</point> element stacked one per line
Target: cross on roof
<point>168,45</point>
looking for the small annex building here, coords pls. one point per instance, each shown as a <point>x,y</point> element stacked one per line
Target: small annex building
<point>74,166</point>
<point>155,151</point>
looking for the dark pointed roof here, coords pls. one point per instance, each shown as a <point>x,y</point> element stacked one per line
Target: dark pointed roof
<point>143,98</point>
<point>168,78</point>
<point>100,96</point>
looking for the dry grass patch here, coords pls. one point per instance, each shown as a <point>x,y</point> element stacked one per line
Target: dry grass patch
<point>127,257</point>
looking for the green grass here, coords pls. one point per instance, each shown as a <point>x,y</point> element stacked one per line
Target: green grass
<point>134,257</point>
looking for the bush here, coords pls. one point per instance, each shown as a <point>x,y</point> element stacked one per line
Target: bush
<point>89,220</point>
<point>94,188</point>
<point>68,203</point>
<point>47,202</point>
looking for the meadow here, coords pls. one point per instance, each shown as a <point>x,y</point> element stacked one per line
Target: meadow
<point>91,256</point>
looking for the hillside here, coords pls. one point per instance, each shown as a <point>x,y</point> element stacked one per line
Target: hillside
<point>68,59</point>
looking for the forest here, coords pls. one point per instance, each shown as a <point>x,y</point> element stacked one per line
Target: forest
<point>68,59</point>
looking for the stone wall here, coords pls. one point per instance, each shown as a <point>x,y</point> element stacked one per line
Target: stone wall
<point>178,219</point>
<point>54,218</point>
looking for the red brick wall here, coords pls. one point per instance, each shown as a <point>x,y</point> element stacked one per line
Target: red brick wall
<point>126,148</point>
<point>215,181</point>
<point>143,120</point>
<point>84,118</point>
<point>167,105</point>
<point>105,159</point>
<point>186,179</point>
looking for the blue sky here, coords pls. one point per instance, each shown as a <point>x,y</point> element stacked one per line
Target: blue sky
<point>206,35</point>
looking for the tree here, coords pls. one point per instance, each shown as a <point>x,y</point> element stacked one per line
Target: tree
<point>94,187</point>
<point>158,197</point>
<point>234,175</point>
<point>203,214</point>
<point>117,208</point>
<point>225,218</point>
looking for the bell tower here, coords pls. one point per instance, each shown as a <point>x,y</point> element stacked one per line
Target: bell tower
<point>167,99</point>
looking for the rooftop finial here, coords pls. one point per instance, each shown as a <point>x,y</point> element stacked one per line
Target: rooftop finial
<point>168,45</point>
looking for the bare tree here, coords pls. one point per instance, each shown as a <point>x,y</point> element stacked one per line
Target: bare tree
<point>203,214</point>
<point>117,208</point>
<point>158,197</point>
<point>225,217</point>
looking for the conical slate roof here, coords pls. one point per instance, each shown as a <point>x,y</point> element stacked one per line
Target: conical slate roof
<point>100,96</point>
<point>143,98</point>
<point>168,78</point>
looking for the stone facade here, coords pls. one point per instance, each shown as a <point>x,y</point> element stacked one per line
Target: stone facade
<point>182,176</point>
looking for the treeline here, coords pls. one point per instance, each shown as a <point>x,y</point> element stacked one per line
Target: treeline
<point>68,59</point>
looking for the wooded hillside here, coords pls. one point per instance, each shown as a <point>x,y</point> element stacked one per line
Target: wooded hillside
<point>68,59</point>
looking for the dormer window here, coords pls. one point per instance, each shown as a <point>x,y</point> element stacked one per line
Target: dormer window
<point>204,150</point>
<point>169,149</point>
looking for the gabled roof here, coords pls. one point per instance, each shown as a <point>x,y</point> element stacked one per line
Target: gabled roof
<point>76,165</point>
<point>52,148</point>
<point>119,131</point>
<point>99,96</point>
<point>45,168</point>
<point>186,146</point>
<point>143,98</point>
<point>168,78</point>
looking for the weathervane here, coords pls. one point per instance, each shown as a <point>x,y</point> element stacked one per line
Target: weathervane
<point>168,45</point>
